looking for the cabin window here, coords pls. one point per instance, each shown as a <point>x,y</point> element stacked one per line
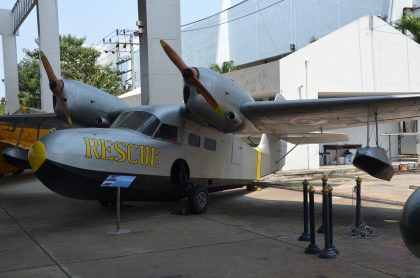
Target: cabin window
<point>167,132</point>
<point>194,140</point>
<point>210,144</point>
<point>140,121</point>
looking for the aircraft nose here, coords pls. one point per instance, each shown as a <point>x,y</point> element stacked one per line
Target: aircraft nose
<point>37,155</point>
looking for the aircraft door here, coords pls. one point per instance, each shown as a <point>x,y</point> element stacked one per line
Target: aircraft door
<point>237,150</point>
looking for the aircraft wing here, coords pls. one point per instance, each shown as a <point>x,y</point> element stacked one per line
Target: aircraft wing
<point>25,128</point>
<point>318,115</point>
<point>44,120</point>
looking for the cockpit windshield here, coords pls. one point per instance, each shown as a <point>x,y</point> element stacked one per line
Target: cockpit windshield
<point>140,121</point>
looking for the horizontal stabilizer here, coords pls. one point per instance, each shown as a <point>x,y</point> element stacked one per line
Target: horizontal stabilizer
<point>313,138</point>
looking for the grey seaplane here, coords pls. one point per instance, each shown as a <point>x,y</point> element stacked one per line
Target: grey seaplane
<point>190,149</point>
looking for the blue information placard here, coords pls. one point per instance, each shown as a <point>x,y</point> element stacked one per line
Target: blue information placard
<point>118,181</point>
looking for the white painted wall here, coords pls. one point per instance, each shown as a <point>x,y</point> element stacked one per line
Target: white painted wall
<point>262,81</point>
<point>358,135</point>
<point>223,53</point>
<point>396,8</point>
<point>352,60</point>
<point>132,98</point>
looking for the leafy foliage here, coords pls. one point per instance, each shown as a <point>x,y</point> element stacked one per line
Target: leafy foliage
<point>2,106</point>
<point>313,39</point>
<point>227,66</point>
<point>78,62</point>
<point>409,23</point>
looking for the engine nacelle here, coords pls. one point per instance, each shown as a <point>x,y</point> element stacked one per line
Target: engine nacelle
<point>225,92</point>
<point>88,105</point>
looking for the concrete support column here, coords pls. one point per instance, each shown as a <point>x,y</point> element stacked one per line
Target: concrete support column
<point>11,80</point>
<point>49,43</point>
<point>161,82</point>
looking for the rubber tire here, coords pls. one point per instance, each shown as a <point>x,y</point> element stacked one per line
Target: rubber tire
<point>18,172</point>
<point>198,200</point>
<point>251,187</point>
<point>180,175</point>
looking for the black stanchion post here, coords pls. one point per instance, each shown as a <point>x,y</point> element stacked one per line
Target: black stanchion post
<point>330,222</point>
<point>324,186</point>
<point>312,247</point>
<point>305,235</point>
<point>358,202</point>
<point>327,252</point>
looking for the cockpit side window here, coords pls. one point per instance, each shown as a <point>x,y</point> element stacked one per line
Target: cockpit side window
<point>167,132</point>
<point>140,121</point>
<point>150,126</point>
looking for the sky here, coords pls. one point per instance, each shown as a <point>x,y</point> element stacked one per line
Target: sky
<point>97,18</point>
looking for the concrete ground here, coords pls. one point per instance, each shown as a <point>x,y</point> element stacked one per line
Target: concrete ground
<point>242,235</point>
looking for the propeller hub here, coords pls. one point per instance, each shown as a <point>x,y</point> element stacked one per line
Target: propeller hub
<point>53,85</point>
<point>191,76</point>
<point>187,73</point>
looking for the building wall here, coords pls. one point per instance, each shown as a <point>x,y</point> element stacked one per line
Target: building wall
<point>269,27</point>
<point>364,57</point>
<point>265,81</point>
<point>397,6</point>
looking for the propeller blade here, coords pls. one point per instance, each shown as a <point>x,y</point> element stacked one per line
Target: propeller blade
<point>47,66</point>
<point>173,56</point>
<point>190,76</point>
<point>66,111</point>
<point>56,85</point>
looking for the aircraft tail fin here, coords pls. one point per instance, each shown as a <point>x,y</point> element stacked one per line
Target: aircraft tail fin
<point>272,153</point>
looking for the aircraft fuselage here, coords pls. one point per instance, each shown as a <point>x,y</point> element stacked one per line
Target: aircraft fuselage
<point>75,162</point>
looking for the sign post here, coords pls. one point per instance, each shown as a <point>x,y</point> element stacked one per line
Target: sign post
<point>118,182</point>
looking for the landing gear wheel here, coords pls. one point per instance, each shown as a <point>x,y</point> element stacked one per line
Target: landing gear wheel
<point>18,172</point>
<point>107,204</point>
<point>198,200</point>
<point>252,187</point>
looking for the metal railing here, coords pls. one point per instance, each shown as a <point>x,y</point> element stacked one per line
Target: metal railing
<point>20,11</point>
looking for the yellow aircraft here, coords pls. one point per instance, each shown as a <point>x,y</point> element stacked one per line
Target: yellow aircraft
<point>16,138</point>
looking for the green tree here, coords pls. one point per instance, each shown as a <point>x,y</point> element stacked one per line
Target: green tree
<point>2,106</point>
<point>313,39</point>
<point>409,23</point>
<point>78,62</point>
<point>225,67</point>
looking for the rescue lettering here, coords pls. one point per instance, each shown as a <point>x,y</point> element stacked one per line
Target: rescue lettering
<point>121,152</point>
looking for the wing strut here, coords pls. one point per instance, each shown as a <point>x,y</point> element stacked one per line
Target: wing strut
<point>374,160</point>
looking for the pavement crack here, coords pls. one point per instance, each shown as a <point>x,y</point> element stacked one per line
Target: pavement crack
<point>368,267</point>
<point>25,268</point>
<point>34,240</point>
<point>162,251</point>
<point>250,231</point>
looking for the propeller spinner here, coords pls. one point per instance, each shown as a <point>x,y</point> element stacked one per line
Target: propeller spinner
<point>56,85</point>
<point>190,76</point>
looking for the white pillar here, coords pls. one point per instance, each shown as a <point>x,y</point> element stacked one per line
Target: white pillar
<point>161,82</point>
<point>49,43</point>
<point>223,52</point>
<point>11,80</point>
